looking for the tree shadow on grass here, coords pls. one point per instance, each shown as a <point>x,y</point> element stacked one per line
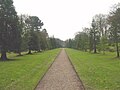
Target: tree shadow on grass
<point>20,55</point>
<point>10,60</point>
<point>18,59</point>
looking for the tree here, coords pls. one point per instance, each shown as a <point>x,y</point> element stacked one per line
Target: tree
<point>70,43</point>
<point>55,43</point>
<point>101,24</point>
<point>34,25</point>
<point>81,40</point>
<point>102,29</point>
<point>20,35</point>
<point>25,30</point>
<point>52,42</point>
<point>44,39</point>
<point>114,22</point>
<point>94,31</point>
<point>8,27</point>
<point>103,43</point>
<point>90,39</point>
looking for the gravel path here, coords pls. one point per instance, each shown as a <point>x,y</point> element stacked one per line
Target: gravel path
<point>60,76</point>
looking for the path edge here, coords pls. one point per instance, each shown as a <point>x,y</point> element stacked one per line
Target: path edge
<point>75,70</point>
<point>48,69</point>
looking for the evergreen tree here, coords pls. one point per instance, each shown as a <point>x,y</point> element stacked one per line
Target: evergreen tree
<point>44,39</point>
<point>8,27</point>
<point>34,25</point>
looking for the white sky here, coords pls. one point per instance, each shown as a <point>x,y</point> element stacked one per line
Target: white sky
<point>63,18</point>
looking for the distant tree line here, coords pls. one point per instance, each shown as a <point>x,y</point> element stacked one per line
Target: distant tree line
<point>20,33</point>
<point>103,35</point>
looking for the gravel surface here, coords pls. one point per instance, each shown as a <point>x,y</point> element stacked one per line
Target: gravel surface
<point>60,76</point>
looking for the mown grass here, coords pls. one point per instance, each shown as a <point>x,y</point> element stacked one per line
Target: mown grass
<point>97,71</point>
<point>23,73</point>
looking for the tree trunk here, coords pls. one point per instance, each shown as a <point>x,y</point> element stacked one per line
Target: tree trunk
<point>94,44</point>
<point>29,52</point>
<point>3,55</point>
<point>117,46</point>
<point>117,49</point>
<point>19,54</point>
<point>95,49</point>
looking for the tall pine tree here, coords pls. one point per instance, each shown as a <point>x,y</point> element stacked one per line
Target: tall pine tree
<point>34,25</point>
<point>8,27</point>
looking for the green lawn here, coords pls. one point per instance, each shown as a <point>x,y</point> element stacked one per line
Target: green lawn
<point>23,73</point>
<point>97,71</point>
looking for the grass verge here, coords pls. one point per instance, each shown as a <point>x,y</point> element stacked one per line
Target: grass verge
<point>97,71</point>
<point>23,73</point>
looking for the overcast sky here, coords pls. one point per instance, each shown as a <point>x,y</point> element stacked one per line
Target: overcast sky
<point>63,18</point>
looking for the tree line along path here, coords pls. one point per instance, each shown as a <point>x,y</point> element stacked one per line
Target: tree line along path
<point>60,76</point>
